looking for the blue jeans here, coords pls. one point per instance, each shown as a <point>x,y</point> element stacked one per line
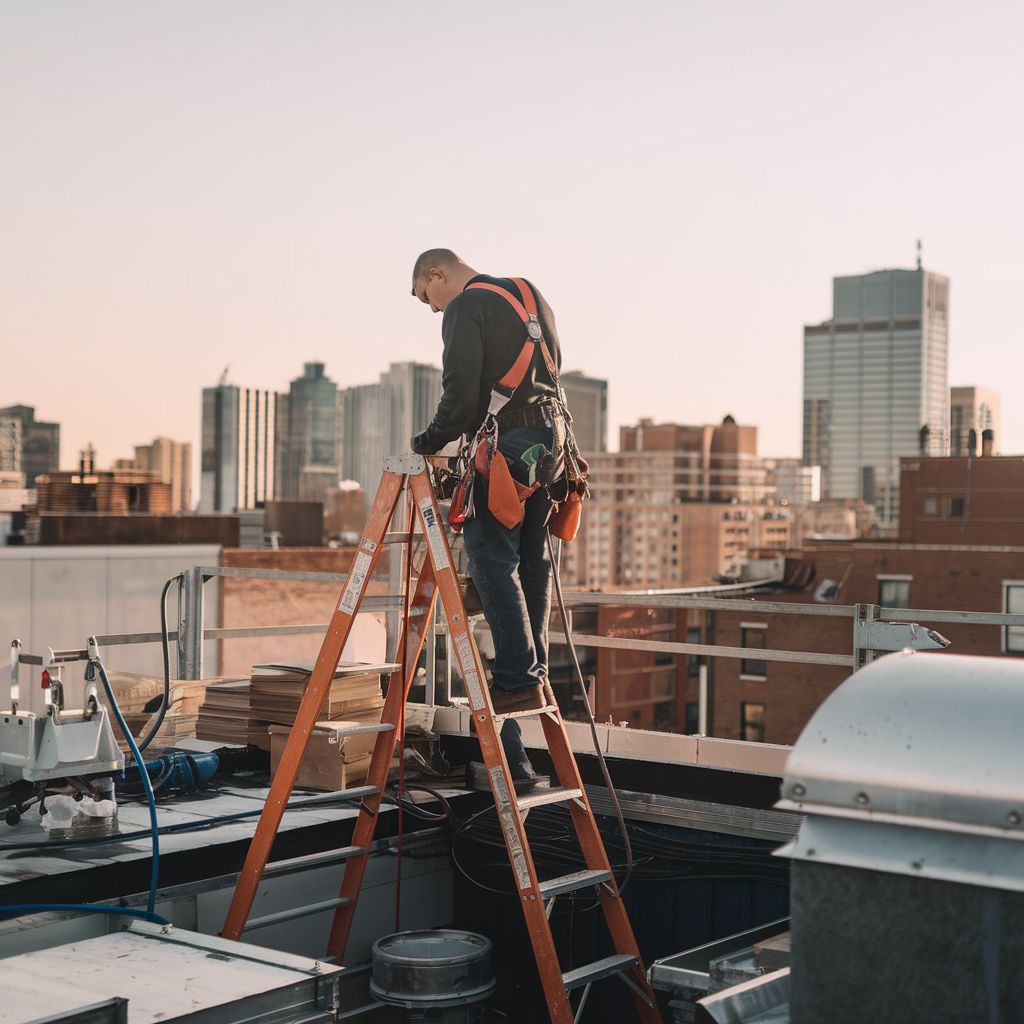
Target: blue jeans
<point>512,572</point>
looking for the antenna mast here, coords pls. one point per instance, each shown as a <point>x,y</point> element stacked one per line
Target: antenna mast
<point>919,254</point>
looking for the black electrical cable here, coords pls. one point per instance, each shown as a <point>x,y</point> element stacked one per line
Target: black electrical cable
<point>590,714</point>
<point>155,727</point>
<point>657,857</point>
<point>409,807</point>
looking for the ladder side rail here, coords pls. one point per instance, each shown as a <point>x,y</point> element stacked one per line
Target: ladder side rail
<point>413,635</point>
<point>509,817</point>
<point>369,550</point>
<point>596,858</point>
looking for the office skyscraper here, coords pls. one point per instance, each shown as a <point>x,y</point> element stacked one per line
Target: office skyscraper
<point>40,443</point>
<point>380,419</point>
<point>173,461</point>
<point>364,445</point>
<point>309,434</point>
<point>238,468</point>
<point>588,405</point>
<point>10,445</point>
<point>876,383</point>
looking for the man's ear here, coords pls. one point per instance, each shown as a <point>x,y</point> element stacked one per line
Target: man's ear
<point>437,275</point>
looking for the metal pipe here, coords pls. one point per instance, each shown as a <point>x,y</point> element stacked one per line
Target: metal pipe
<point>702,699</point>
<point>622,643</point>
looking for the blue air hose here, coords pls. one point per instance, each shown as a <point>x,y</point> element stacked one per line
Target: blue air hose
<point>24,909</point>
<point>154,828</point>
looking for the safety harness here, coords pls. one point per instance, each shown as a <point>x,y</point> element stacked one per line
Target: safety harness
<point>562,471</point>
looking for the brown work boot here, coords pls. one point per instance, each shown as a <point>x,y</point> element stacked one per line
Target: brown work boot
<point>504,703</point>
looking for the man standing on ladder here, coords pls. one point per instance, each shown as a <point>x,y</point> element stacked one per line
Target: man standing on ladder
<point>483,336</point>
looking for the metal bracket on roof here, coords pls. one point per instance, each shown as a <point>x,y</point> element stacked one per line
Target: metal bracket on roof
<point>870,636</point>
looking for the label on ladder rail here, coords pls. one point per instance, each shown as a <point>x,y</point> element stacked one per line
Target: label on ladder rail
<point>356,577</point>
<point>464,652</point>
<point>434,535</point>
<point>369,545</point>
<point>515,848</point>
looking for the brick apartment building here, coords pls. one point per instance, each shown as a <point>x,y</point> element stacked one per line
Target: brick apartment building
<point>960,546</point>
<point>643,689</point>
<point>676,506</point>
<point>117,506</point>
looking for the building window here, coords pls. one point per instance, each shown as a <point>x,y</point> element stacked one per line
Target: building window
<point>752,722</point>
<point>664,716</point>
<point>931,506</point>
<point>1013,602</point>
<point>894,591</point>
<point>692,718</point>
<point>693,662</point>
<point>754,637</point>
<point>955,508</point>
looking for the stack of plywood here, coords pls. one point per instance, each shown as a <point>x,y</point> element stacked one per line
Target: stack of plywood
<point>135,693</point>
<point>226,716</point>
<point>354,695</point>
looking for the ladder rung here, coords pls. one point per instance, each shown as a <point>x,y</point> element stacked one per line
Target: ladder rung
<point>549,709</point>
<point>599,969</point>
<point>356,729</point>
<point>401,537</point>
<point>291,915</point>
<point>570,883</point>
<point>554,795</point>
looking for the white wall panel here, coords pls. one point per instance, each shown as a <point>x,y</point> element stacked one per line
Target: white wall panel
<point>58,596</point>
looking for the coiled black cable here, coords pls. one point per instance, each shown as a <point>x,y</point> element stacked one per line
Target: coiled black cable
<point>155,727</point>
<point>658,856</point>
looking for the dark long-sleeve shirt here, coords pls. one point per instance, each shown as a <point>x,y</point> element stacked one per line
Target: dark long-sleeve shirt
<point>483,335</point>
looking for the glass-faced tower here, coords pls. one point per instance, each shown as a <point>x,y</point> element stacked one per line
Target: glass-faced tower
<point>876,384</point>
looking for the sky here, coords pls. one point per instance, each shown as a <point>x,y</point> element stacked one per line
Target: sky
<point>190,186</point>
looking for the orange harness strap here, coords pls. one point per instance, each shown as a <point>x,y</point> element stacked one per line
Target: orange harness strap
<point>527,310</point>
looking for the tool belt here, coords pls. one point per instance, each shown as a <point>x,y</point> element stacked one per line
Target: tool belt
<point>537,417</point>
<point>561,471</point>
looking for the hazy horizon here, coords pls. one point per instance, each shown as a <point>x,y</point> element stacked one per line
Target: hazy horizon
<point>191,186</point>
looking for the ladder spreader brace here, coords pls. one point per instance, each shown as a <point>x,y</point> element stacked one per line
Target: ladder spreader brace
<point>438,578</point>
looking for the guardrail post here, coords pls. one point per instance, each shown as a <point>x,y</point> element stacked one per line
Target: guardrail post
<point>702,697</point>
<point>190,625</point>
<point>863,616</point>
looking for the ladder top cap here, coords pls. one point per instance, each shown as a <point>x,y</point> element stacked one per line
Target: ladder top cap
<point>402,465</point>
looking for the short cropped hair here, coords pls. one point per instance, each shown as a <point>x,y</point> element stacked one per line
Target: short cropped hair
<point>426,261</point>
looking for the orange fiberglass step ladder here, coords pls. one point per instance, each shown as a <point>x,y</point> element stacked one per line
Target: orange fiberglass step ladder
<point>409,473</point>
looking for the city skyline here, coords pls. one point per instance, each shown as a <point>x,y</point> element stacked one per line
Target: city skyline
<point>684,223</point>
<point>68,458</point>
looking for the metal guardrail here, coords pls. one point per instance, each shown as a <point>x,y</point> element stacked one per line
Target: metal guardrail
<point>704,650</point>
<point>189,636</point>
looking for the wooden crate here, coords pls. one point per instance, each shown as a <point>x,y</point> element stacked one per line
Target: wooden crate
<point>333,760</point>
